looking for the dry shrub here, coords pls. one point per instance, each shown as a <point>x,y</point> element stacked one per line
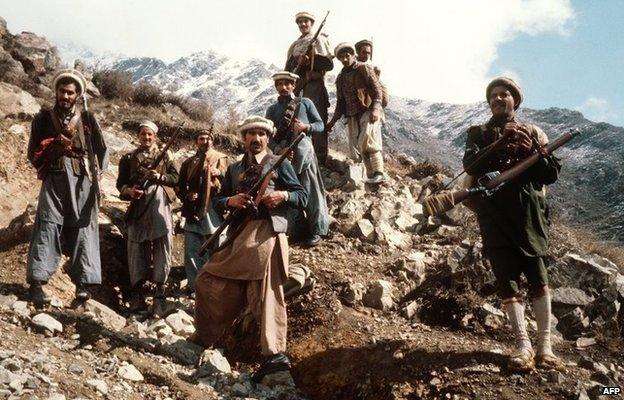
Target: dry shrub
<point>148,94</point>
<point>198,110</point>
<point>426,168</point>
<point>114,84</point>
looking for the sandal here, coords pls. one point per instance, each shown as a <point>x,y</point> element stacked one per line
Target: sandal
<point>549,361</point>
<point>521,361</point>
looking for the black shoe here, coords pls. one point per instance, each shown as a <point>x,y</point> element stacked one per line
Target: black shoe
<point>37,295</point>
<point>137,303</point>
<point>276,363</point>
<point>82,293</point>
<point>313,241</point>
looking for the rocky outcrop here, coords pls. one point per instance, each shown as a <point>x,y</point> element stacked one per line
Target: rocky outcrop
<point>16,103</point>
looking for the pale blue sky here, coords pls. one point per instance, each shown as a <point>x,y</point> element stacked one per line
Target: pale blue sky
<point>564,53</point>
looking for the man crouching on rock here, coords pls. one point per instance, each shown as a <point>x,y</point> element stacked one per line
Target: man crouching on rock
<point>514,219</point>
<point>252,267</point>
<point>67,209</point>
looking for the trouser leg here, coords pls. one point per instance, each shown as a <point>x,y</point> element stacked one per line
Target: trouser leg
<point>161,248</point>
<point>543,317</point>
<point>138,261</point>
<point>370,144</point>
<point>353,131</point>
<point>44,252</point>
<point>192,260</point>
<point>84,244</point>
<point>218,302</point>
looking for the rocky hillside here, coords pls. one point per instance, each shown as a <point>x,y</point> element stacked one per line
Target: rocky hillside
<point>403,307</point>
<point>588,193</point>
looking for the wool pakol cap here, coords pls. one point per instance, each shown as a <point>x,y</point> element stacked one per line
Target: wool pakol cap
<point>284,75</point>
<point>304,14</point>
<point>150,125</point>
<point>509,83</point>
<point>343,46</point>
<point>256,122</point>
<point>72,74</point>
<point>364,42</point>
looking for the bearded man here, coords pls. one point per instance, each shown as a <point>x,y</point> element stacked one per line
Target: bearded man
<point>67,207</point>
<point>514,219</point>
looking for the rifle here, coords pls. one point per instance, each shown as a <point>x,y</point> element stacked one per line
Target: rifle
<point>299,69</point>
<point>94,166</point>
<point>143,183</point>
<point>205,200</point>
<point>256,191</point>
<point>488,184</point>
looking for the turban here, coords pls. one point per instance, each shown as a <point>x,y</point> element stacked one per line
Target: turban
<point>256,122</point>
<point>304,14</point>
<point>508,83</point>
<point>285,75</point>
<point>72,74</point>
<point>150,125</point>
<point>363,43</point>
<point>343,46</point>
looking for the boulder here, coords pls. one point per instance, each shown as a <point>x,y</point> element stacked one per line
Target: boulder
<point>570,296</point>
<point>35,53</point>
<point>20,228</point>
<point>109,318</point>
<point>352,211</point>
<point>11,71</point>
<point>130,373</point>
<point>573,324</point>
<point>181,323</point>
<point>592,274</point>
<point>212,362</point>
<point>353,293</point>
<point>356,177</point>
<point>365,230</point>
<point>47,323</point>
<point>379,295</point>
<point>3,28</point>
<point>16,103</point>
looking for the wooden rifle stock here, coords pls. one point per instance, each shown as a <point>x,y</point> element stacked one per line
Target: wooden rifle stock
<point>259,186</point>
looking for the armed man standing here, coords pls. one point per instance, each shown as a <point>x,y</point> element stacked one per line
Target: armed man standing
<point>200,180</point>
<point>311,67</point>
<point>149,221</point>
<point>514,219</point>
<point>293,115</point>
<point>253,266</point>
<point>65,144</point>
<point>359,99</point>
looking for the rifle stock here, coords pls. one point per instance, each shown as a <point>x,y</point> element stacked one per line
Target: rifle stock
<point>256,188</point>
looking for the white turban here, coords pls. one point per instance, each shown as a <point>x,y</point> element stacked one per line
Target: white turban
<point>304,14</point>
<point>150,125</point>
<point>285,75</point>
<point>72,74</point>
<point>343,46</point>
<point>256,122</point>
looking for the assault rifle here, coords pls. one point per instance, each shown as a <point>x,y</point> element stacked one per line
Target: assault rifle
<point>94,166</point>
<point>143,183</point>
<point>256,192</point>
<point>440,203</point>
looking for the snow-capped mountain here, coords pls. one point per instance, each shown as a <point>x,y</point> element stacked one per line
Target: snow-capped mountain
<point>589,191</point>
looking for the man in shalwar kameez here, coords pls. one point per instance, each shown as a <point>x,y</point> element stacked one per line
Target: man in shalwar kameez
<point>304,161</point>
<point>252,267</point>
<point>67,208</point>
<point>206,163</point>
<point>315,66</point>
<point>150,226</point>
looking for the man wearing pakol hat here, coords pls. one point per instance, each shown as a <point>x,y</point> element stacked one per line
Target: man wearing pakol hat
<point>150,226</point>
<point>364,50</point>
<point>315,223</point>
<point>200,181</point>
<point>359,100</point>
<point>315,66</point>
<point>67,208</point>
<point>514,219</point>
<point>252,267</point>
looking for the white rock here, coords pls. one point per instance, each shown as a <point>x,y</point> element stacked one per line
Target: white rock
<point>379,295</point>
<point>56,396</point>
<point>365,229</point>
<point>181,323</point>
<point>212,361</point>
<point>98,385</point>
<point>130,373</point>
<point>46,322</point>
<point>14,102</point>
<point>104,314</point>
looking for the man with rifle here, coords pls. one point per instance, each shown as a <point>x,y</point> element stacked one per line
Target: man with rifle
<point>67,209</point>
<point>252,265</point>
<point>149,188</point>
<point>310,57</point>
<point>293,115</point>
<point>200,181</point>
<point>359,99</point>
<point>514,218</point>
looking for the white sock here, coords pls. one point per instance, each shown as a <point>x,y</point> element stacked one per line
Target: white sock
<point>541,307</point>
<point>515,313</point>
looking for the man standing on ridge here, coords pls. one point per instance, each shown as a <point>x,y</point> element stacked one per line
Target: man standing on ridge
<point>514,219</point>
<point>316,221</point>
<point>315,66</point>
<point>67,208</point>
<point>359,98</point>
